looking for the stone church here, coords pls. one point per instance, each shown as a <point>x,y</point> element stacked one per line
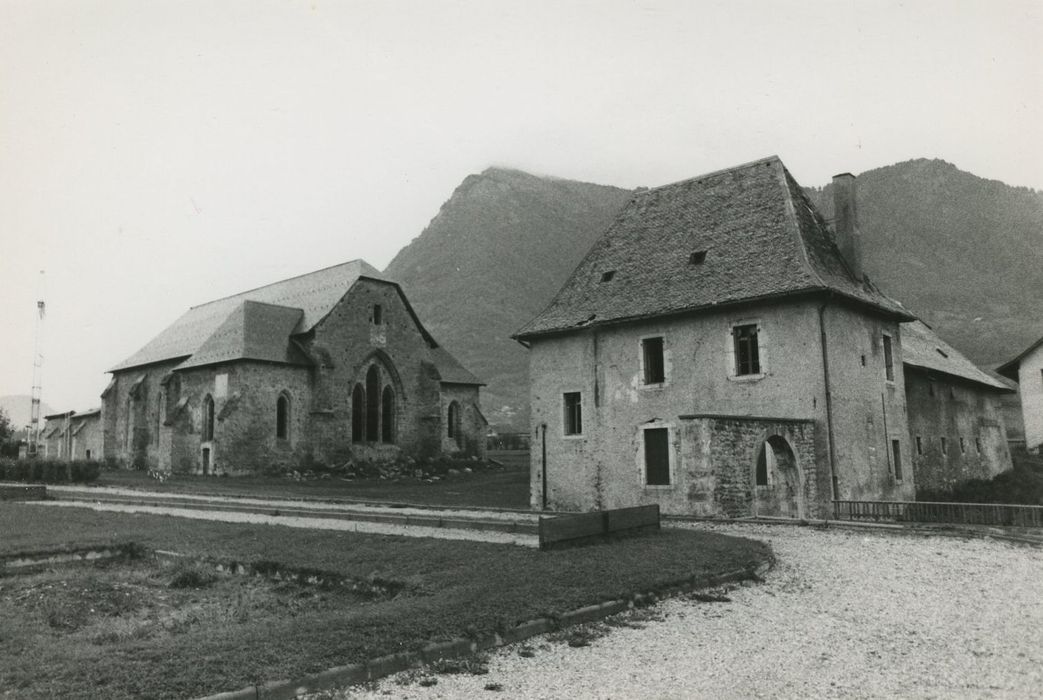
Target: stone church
<point>329,367</point>
<point>721,352</point>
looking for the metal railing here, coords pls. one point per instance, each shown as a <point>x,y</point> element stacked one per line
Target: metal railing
<point>933,512</point>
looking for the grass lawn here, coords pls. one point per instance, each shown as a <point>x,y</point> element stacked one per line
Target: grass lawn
<point>121,630</point>
<point>500,488</point>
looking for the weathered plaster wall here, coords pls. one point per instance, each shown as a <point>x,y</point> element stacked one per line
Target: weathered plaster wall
<point>603,467</point>
<point>1030,382</point>
<point>87,436</point>
<point>869,412</point>
<point>940,406</point>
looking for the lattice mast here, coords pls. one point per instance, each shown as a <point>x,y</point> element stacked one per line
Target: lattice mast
<point>34,413</point>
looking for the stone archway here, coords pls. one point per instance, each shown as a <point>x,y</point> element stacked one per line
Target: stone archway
<point>776,480</point>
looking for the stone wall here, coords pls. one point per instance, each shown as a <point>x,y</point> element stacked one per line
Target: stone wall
<point>469,440</point>
<point>941,406</point>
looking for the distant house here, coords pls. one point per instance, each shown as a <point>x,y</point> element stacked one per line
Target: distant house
<point>720,352</point>
<point>72,436</point>
<point>1027,370</point>
<point>328,367</point>
<point>956,413</point>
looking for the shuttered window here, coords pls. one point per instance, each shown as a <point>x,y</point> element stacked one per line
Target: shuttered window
<point>657,456</point>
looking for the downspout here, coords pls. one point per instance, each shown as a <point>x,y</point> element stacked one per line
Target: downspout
<point>543,464</point>
<point>829,399</point>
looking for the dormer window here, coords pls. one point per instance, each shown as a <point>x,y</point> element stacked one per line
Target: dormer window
<point>607,276</point>
<point>697,257</point>
<point>378,315</point>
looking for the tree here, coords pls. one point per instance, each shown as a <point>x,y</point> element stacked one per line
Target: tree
<point>8,443</point>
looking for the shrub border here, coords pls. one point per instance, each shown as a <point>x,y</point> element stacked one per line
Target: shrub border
<point>380,667</point>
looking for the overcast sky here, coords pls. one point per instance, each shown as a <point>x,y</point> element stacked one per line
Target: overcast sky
<point>156,155</point>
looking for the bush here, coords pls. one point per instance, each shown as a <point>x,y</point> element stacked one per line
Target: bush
<point>1022,485</point>
<point>49,471</point>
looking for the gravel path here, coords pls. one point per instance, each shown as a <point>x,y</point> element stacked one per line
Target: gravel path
<point>846,613</point>
<point>314,523</point>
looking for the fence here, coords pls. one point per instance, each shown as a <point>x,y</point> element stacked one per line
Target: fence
<point>931,512</point>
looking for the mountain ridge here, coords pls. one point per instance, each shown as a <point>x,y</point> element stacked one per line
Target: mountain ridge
<point>961,252</point>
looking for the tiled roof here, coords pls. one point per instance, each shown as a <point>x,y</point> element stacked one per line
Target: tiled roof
<point>450,371</point>
<point>760,236</point>
<point>253,331</point>
<point>921,347</point>
<point>314,293</point>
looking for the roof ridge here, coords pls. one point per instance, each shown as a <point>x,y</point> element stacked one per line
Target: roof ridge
<point>714,173</point>
<point>286,279</point>
<point>791,214</point>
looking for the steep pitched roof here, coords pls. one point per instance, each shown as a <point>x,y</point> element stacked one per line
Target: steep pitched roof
<point>450,371</point>
<point>253,331</point>
<point>921,347</point>
<point>315,294</point>
<point>759,236</point>
<point>1009,368</point>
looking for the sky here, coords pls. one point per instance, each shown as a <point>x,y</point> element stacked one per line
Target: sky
<point>157,155</point>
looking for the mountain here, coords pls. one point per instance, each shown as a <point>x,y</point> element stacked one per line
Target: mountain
<point>961,252</point>
<point>18,408</point>
<point>492,258</point>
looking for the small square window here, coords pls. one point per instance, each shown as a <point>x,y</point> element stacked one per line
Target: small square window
<point>378,315</point>
<point>697,258</point>
<point>747,350</point>
<point>607,276</point>
<point>573,413</point>
<point>652,358</point>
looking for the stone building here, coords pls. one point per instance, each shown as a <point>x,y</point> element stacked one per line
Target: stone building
<point>1027,370</point>
<point>955,413</point>
<point>71,435</point>
<point>325,368</point>
<point>720,351</point>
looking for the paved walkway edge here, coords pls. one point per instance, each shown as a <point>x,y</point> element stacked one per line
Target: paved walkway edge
<point>374,669</point>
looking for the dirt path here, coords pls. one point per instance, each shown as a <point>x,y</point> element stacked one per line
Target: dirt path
<point>317,522</point>
<point>845,614</point>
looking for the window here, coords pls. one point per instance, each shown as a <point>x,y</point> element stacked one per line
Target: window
<point>963,447</point>
<point>697,257</point>
<point>761,476</point>
<point>889,360</point>
<point>747,353</point>
<point>88,454</point>
<point>387,415</point>
<point>652,358</point>
<point>977,444</point>
<point>208,419</point>
<point>608,275</point>
<point>945,446</point>
<point>657,456</point>
<point>378,315</point>
<point>573,413</point>
<point>453,422</point>
<point>896,449</point>
<point>919,445</point>
<point>863,360</point>
<point>372,403</point>
<point>358,414</point>
<point>282,417</point>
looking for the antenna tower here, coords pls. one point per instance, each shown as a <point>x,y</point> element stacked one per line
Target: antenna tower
<point>34,414</point>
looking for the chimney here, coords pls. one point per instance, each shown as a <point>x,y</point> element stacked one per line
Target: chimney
<point>845,218</point>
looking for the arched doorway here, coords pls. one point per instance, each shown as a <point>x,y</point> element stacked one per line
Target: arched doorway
<point>776,480</point>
